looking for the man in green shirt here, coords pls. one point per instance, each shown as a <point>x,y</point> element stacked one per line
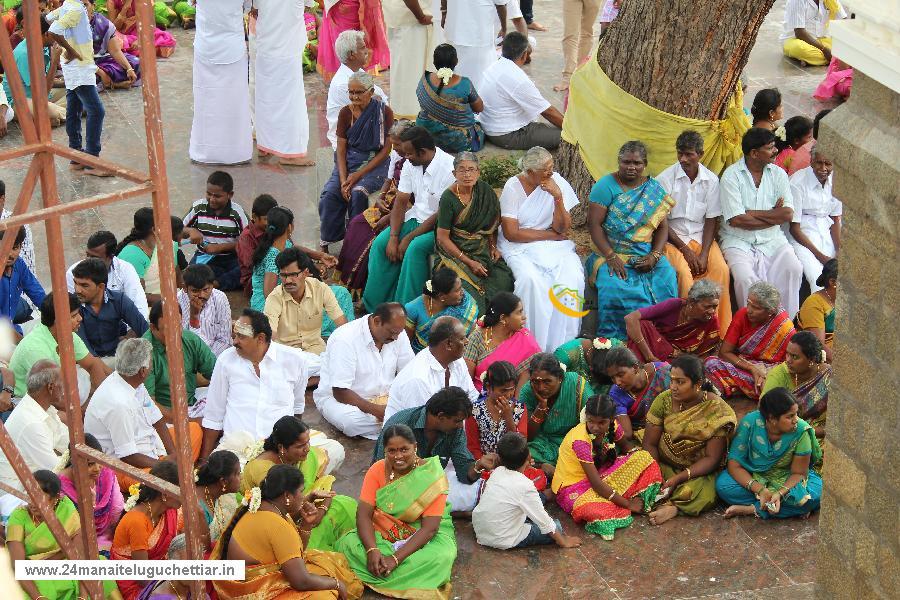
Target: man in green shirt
<point>199,362</point>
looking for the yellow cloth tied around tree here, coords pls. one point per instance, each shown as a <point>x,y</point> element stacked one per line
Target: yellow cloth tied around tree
<point>601,117</point>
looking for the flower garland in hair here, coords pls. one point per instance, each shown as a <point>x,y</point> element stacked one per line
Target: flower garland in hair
<point>196,475</point>
<point>428,287</point>
<point>253,450</point>
<point>133,492</point>
<point>252,499</point>
<point>781,133</point>
<point>483,376</point>
<point>445,74</point>
<point>602,343</point>
<point>63,462</point>
<point>563,366</point>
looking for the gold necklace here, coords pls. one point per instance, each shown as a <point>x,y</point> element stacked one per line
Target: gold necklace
<point>150,515</point>
<point>810,378</point>
<point>832,299</point>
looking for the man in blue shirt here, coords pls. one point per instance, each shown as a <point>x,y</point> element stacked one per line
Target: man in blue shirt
<point>104,313</point>
<point>17,279</point>
<point>52,54</point>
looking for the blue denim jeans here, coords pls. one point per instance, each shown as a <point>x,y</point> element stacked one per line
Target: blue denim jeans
<point>536,538</point>
<point>84,98</point>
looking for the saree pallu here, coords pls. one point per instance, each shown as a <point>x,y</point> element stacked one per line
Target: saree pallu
<point>636,407</point>
<point>564,414</point>
<point>763,346</point>
<point>108,505</point>
<point>572,355</point>
<point>365,138</point>
<point>465,312</point>
<point>630,223</point>
<point>471,228</point>
<point>341,15</point>
<point>104,30</point>
<point>160,539</point>
<point>700,338</point>
<point>425,574</point>
<point>448,116</point>
<point>812,395</point>
<point>517,350</point>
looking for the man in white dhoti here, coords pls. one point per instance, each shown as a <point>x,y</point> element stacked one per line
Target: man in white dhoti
<point>756,201</point>
<point>816,226</point>
<point>534,222</point>
<point>471,27</point>
<point>411,41</point>
<point>282,123</point>
<point>221,131</point>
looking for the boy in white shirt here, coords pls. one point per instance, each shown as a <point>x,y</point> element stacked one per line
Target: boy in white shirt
<point>510,513</point>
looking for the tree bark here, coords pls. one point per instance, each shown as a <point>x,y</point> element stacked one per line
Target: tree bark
<point>683,57</point>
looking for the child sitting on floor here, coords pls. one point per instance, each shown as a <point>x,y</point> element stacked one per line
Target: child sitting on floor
<point>510,513</point>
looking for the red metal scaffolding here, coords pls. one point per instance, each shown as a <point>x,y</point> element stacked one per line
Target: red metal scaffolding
<point>39,144</point>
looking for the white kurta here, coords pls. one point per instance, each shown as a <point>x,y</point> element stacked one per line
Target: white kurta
<point>282,122</point>
<point>472,27</point>
<point>814,207</point>
<point>221,90</point>
<point>539,266</point>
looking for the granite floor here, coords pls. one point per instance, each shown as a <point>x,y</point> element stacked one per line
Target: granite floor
<point>705,557</point>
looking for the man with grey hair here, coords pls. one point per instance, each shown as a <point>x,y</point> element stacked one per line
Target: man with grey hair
<point>350,48</point>
<point>123,417</point>
<point>35,429</point>
<point>438,366</point>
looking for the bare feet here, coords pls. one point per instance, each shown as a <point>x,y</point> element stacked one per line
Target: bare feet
<point>535,26</point>
<point>663,514</point>
<point>561,87</point>
<point>74,166</point>
<point>297,162</point>
<point>104,78</point>
<point>97,172</point>
<point>740,510</point>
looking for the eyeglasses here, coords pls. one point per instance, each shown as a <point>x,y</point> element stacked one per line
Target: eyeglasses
<point>292,274</point>
<point>466,170</point>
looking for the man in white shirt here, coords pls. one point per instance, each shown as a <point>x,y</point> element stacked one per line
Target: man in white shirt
<point>756,201</point>
<point>221,89</point>
<point>255,383</point>
<point>805,37</point>
<point>122,276</point>
<point>350,48</point>
<point>399,255</point>
<point>815,230</point>
<point>360,362</point>
<point>693,221</point>
<point>512,102</point>
<point>471,27</point>
<point>438,366</point>
<point>35,428</point>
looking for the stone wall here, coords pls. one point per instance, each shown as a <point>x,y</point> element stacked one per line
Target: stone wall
<point>859,550</point>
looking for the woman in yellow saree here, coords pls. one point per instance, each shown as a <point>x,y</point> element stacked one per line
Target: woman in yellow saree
<point>289,444</point>
<point>29,538</point>
<point>269,534</point>
<point>404,545</point>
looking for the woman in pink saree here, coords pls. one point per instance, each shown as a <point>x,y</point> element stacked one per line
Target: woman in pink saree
<point>341,15</point>
<point>123,16</point>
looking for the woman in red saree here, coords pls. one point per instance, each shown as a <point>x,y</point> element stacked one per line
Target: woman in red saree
<point>147,529</point>
<point>677,326</point>
<point>341,15</point>
<point>501,335</point>
<point>755,342</point>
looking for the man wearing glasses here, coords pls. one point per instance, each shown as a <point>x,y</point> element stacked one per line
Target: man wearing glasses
<point>205,310</point>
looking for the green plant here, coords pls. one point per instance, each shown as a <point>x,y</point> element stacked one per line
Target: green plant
<point>496,170</point>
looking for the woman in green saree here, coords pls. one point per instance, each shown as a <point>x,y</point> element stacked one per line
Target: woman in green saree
<point>554,399</point>
<point>29,538</point>
<point>404,545</point>
<point>805,373</point>
<point>289,444</point>
<point>466,234</point>
<point>769,462</point>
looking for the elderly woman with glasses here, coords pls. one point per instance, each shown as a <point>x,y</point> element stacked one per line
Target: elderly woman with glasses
<point>361,159</point>
<point>756,340</point>
<point>535,221</point>
<point>467,224</point>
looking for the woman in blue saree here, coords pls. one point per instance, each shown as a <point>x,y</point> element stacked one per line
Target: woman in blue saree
<point>768,472</point>
<point>361,159</point>
<point>628,227</point>
<point>449,103</point>
<point>443,296</point>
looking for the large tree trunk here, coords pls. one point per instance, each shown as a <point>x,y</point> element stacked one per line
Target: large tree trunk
<point>683,57</point>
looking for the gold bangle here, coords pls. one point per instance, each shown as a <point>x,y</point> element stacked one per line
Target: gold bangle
<point>611,496</point>
<point>640,341</point>
<point>610,255</point>
<point>688,469</point>
<point>371,550</point>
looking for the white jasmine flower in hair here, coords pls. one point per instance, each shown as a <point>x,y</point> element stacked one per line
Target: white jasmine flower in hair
<point>781,134</point>
<point>133,493</point>
<point>252,499</point>
<point>563,366</point>
<point>253,450</point>
<point>483,376</point>
<point>62,463</point>
<point>602,343</point>
<point>445,74</point>
<point>428,286</point>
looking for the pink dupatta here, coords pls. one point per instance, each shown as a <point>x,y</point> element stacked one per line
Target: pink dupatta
<point>108,504</point>
<point>516,349</point>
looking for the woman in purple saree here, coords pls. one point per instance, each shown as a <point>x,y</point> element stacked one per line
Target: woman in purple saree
<point>116,68</point>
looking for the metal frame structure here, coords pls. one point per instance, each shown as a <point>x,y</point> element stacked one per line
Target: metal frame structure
<point>40,146</point>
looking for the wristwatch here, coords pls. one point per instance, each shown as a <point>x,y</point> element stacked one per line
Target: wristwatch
<point>9,389</point>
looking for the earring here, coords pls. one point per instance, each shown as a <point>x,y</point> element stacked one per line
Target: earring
<point>287,501</point>
<point>223,487</point>
<point>281,454</point>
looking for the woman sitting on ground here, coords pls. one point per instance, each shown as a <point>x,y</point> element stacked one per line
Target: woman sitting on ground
<point>677,326</point>
<point>600,479</point>
<point>554,399</point>
<point>218,480</point>
<point>289,444</point>
<point>794,151</point>
<point>360,162</point>
<point>108,501</point>
<point>443,295</point>
<point>767,109</point>
<point>151,520</point>
<point>122,14</point>
<point>501,335</point>
<point>635,386</point>
<point>280,226</point>
<point>805,373</point>
<point>769,472</point>
<point>270,534</point>
<point>115,69</point>
<point>587,357</point>
<point>629,230</point>
<point>466,233</point>
<point>139,245</point>
<point>173,589</point>
<point>404,545</point>
<point>755,342</point>
<point>817,313</point>
<point>449,103</point>
<point>688,427</point>
<point>29,538</point>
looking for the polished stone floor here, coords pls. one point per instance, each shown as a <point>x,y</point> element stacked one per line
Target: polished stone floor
<point>686,558</point>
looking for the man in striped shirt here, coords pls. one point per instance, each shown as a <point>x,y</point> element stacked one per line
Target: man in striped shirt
<point>214,224</point>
